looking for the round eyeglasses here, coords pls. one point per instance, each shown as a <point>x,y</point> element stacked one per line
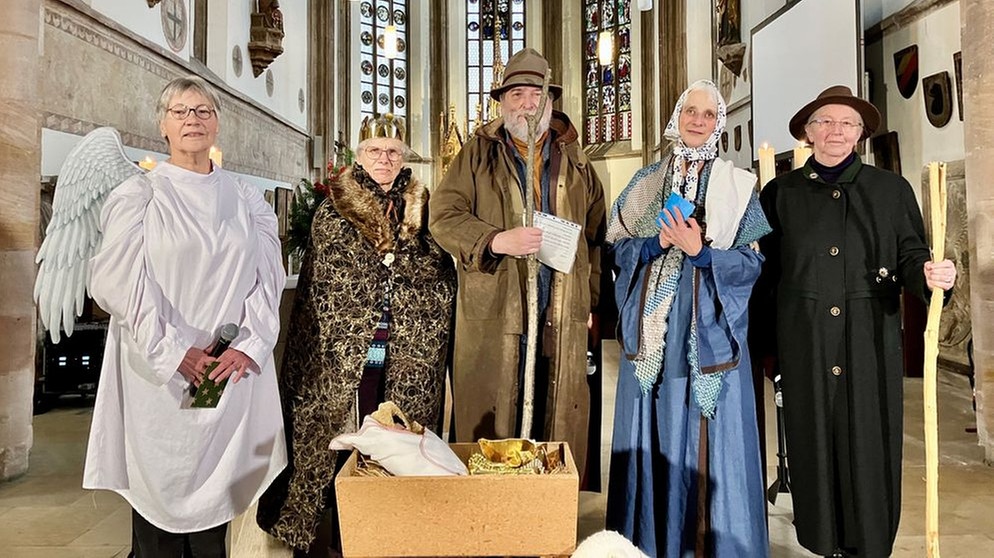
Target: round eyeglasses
<point>375,153</point>
<point>181,112</point>
<point>827,124</point>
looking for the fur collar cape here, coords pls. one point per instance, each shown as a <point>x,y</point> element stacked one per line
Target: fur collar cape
<point>361,202</point>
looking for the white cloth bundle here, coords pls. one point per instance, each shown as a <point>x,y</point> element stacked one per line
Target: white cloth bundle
<point>400,449</point>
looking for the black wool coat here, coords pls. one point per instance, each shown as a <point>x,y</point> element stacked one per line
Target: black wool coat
<point>835,264</point>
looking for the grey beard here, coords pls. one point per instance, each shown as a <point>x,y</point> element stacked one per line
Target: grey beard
<point>519,128</point>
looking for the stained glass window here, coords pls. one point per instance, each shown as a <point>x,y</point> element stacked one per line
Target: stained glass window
<point>485,20</point>
<point>607,92</point>
<point>383,82</point>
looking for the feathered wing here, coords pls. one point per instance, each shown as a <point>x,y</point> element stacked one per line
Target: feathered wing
<point>91,170</point>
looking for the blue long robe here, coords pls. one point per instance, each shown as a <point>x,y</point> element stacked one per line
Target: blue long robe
<point>653,488</point>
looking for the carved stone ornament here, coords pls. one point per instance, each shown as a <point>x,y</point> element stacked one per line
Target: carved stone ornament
<point>236,60</point>
<point>174,23</point>
<point>265,35</point>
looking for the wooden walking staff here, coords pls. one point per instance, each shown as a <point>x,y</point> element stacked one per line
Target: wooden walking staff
<point>528,403</point>
<point>937,209</point>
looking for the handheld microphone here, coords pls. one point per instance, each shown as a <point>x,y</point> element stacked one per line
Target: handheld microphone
<point>224,339</point>
<point>209,392</point>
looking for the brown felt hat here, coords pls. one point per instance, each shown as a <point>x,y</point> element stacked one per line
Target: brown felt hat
<point>836,95</point>
<point>526,67</point>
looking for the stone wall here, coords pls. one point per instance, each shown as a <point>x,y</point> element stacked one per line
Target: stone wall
<point>977,19</point>
<point>94,73</point>
<point>20,195</point>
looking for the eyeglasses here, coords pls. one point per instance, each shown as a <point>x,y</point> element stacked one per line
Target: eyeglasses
<point>828,124</point>
<point>374,153</point>
<point>181,112</point>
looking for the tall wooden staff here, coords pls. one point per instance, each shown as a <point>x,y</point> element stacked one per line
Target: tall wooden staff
<point>528,404</point>
<point>937,207</point>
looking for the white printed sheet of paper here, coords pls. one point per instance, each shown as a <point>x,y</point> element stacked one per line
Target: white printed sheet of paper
<point>559,238</point>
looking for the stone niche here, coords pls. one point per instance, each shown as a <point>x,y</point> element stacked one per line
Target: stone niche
<point>265,35</point>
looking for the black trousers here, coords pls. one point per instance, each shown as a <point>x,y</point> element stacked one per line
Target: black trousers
<point>148,541</point>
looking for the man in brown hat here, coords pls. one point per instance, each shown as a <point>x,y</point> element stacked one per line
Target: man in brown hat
<point>847,237</point>
<point>477,215</point>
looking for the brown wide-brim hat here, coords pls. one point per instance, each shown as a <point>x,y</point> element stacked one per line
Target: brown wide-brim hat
<point>526,67</point>
<point>836,95</point>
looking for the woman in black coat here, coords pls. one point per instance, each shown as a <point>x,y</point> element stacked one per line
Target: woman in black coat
<point>846,238</point>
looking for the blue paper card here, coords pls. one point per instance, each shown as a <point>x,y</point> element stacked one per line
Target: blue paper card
<point>676,201</point>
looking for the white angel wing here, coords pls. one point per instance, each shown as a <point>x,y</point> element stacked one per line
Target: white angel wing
<point>91,170</point>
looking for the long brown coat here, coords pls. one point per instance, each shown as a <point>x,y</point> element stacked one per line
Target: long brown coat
<point>479,197</point>
<point>338,305</point>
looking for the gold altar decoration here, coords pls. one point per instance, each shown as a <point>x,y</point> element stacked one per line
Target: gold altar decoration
<point>452,139</point>
<point>493,107</point>
<point>477,121</point>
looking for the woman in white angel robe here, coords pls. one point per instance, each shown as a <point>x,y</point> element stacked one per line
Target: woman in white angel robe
<point>185,252</point>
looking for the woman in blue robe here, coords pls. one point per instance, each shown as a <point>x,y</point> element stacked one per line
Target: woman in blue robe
<point>686,478</point>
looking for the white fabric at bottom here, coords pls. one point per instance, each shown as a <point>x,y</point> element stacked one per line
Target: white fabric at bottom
<point>183,254</point>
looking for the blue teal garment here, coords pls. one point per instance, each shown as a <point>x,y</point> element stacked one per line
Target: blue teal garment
<point>703,258</point>
<point>651,250</point>
<point>653,490</point>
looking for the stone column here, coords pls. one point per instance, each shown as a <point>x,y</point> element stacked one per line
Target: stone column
<point>977,35</point>
<point>672,56</point>
<point>439,73</point>
<point>20,168</point>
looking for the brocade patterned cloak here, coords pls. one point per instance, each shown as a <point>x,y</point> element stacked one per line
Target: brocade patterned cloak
<point>338,304</point>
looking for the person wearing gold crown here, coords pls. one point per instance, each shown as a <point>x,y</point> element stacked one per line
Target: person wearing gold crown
<point>476,215</point>
<point>370,323</point>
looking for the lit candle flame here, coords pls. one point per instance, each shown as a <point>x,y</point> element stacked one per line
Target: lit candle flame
<point>216,156</point>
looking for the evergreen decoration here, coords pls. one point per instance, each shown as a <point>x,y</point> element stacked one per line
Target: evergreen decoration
<point>308,196</point>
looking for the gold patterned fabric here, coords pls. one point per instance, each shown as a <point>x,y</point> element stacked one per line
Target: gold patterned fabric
<point>335,313</point>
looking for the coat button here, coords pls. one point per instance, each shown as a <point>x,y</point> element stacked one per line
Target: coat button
<point>836,194</point>
<point>835,310</point>
<point>813,176</point>
<point>834,251</point>
<point>836,370</point>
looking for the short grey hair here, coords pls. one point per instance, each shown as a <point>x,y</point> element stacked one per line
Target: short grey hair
<point>181,85</point>
<point>707,87</point>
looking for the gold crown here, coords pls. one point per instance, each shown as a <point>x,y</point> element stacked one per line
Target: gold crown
<point>383,126</point>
